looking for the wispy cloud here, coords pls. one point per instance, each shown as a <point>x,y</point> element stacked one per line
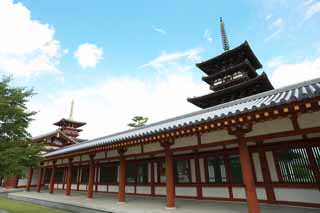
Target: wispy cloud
<point>160,30</point>
<point>312,9</point>
<point>275,27</point>
<point>170,58</point>
<point>207,36</point>
<point>268,17</point>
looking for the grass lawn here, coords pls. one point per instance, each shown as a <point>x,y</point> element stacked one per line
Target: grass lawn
<point>23,207</point>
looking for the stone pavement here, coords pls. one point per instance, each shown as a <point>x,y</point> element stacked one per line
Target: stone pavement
<point>103,202</point>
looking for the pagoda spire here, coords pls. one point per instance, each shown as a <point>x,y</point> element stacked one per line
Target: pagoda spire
<point>224,37</point>
<point>71,110</point>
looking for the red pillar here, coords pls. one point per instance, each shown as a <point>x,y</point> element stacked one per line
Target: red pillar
<point>39,181</point>
<point>248,178</point>
<point>169,176</point>
<point>29,179</point>
<point>122,177</point>
<point>198,179</point>
<point>51,185</point>
<point>91,177</point>
<point>68,179</point>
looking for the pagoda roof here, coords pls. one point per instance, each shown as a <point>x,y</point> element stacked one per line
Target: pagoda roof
<point>245,64</point>
<point>55,133</point>
<point>201,101</point>
<point>206,66</point>
<point>66,122</point>
<point>277,97</point>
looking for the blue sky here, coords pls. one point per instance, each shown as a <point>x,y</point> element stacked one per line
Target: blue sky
<point>133,52</point>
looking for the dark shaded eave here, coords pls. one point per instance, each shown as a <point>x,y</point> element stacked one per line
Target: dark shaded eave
<point>201,101</point>
<point>246,64</point>
<point>243,47</point>
<point>55,133</point>
<point>65,121</point>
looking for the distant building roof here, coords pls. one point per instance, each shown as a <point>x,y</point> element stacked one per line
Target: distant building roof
<point>285,95</point>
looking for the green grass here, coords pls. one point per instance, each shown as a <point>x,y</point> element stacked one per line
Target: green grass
<point>23,207</point>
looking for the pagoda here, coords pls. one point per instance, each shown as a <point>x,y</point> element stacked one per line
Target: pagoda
<point>69,126</point>
<point>231,75</point>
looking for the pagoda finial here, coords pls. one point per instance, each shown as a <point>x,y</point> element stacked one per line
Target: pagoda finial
<point>71,110</point>
<point>224,37</point>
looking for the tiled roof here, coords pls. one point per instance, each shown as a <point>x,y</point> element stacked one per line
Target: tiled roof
<point>296,92</point>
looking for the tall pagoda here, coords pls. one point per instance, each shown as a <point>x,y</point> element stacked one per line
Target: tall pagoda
<point>231,75</point>
<point>69,126</point>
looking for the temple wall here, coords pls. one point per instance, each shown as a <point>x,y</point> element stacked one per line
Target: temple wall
<point>186,191</point>
<point>143,189</point>
<point>215,192</point>
<point>272,167</point>
<point>308,120</point>
<point>151,147</point>
<point>257,166</point>
<point>298,195</point>
<point>216,136</point>
<point>273,126</point>
<point>185,141</point>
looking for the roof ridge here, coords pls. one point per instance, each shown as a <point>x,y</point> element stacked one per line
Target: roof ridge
<point>203,111</point>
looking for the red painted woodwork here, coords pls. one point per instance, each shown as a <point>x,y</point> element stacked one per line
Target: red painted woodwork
<point>51,185</point>
<point>198,178</point>
<point>248,178</point>
<point>29,180</point>
<point>169,178</point>
<point>68,178</point>
<point>11,182</point>
<point>266,177</point>
<point>39,181</point>
<point>91,177</point>
<point>152,178</point>
<point>122,178</point>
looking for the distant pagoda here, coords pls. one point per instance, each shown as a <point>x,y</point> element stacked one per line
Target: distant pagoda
<point>69,126</point>
<point>231,75</point>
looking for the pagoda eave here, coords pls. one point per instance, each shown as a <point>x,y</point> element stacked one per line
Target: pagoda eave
<point>206,66</point>
<point>261,83</point>
<point>246,65</point>
<point>68,122</point>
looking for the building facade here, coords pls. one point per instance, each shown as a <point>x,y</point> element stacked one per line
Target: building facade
<point>260,146</point>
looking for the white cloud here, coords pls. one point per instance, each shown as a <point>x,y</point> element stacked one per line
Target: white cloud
<point>27,46</point>
<point>108,106</point>
<point>312,10</point>
<point>285,73</point>
<point>207,36</point>
<point>278,23</point>
<point>268,17</point>
<point>159,30</point>
<point>88,55</point>
<point>166,59</point>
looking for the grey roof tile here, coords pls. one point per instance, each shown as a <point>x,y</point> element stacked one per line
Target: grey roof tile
<point>267,99</point>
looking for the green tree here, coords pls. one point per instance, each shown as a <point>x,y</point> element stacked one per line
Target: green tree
<point>17,152</point>
<point>138,121</point>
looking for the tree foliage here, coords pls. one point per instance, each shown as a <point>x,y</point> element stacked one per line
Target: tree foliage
<point>17,152</point>
<point>138,121</point>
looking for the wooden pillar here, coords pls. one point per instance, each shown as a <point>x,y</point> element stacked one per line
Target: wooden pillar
<point>248,178</point>
<point>29,181</point>
<point>170,190</point>
<point>91,177</point>
<point>39,181</point>
<point>266,175</point>
<point>152,178</point>
<point>51,185</point>
<point>122,177</point>
<point>198,178</point>
<point>68,179</point>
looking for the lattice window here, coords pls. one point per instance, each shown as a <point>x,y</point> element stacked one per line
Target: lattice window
<point>235,169</point>
<point>85,175</point>
<point>74,175</point>
<point>316,152</point>
<point>182,171</point>
<point>216,170</point>
<point>108,173</point>
<point>58,175</point>
<point>295,166</point>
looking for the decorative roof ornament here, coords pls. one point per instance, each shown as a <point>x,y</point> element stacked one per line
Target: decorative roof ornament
<point>71,110</point>
<point>224,37</point>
